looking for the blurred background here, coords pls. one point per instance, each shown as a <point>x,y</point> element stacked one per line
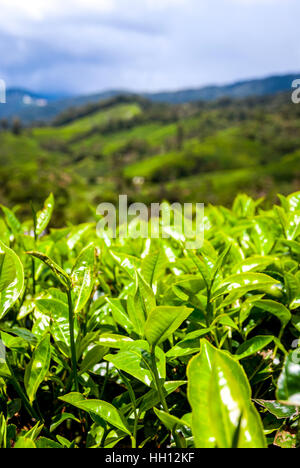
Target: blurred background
<point>183,100</point>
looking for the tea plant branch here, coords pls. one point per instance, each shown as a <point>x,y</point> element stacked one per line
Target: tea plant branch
<point>35,240</point>
<point>160,390</point>
<point>72,340</point>
<point>157,380</point>
<point>105,381</point>
<point>136,410</point>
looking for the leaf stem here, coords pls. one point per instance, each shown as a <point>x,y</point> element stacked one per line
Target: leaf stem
<point>209,316</point>
<point>72,340</point>
<point>35,240</point>
<point>157,380</point>
<point>135,427</point>
<point>136,410</point>
<point>105,381</point>
<point>160,390</point>
<point>33,276</point>
<point>279,338</point>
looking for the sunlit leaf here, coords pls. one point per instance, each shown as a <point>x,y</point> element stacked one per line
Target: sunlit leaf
<point>43,217</point>
<point>82,278</point>
<point>135,360</point>
<point>288,391</point>
<point>11,279</point>
<point>220,396</point>
<point>60,274</point>
<point>163,321</point>
<point>38,367</point>
<point>98,409</point>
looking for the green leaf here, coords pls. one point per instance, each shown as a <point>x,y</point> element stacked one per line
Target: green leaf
<point>135,359</point>
<point>275,308</point>
<point>246,282</point>
<point>146,294</point>
<point>38,367</point>
<point>119,314</point>
<point>61,418</point>
<point>98,409</point>
<point>82,278</point>
<point>190,344</point>
<point>25,334</point>
<point>152,397</point>
<point>11,279</point>
<point>293,201</point>
<point>114,341</point>
<point>292,285</point>
<point>140,304</point>
<point>136,313</point>
<point>220,397</point>
<point>201,267</point>
<point>253,346</point>
<point>60,274</point>
<point>4,232</point>
<point>293,245</point>
<point>3,431</point>
<point>127,263</point>
<point>288,389</point>
<point>226,321</point>
<point>77,233</point>
<point>220,262</point>
<point>11,220</point>
<point>277,409</point>
<point>256,263</point>
<point>35,431</point>
<point>94,356</point>
<point>14,343</point>
<point>163,321</point>
<point>153,266</point>
<point>169,420</point>
<point>65,442</point>
<point>7,271</point>
<point>43,217</point>
<point>56,307</point>
<point>44,442</point>
<point>24,443</point>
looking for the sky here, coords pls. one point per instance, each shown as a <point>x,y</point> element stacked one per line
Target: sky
<point>85,46</point>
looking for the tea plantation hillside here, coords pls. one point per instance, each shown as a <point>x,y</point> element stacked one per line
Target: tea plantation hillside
<point>145,343</point>
<point>135,342</point>
<point>193,152</point>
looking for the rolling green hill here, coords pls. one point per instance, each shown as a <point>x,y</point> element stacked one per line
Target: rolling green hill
<point>203,152</point>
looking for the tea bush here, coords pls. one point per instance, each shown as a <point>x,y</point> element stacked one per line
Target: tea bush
<point>143,343</point>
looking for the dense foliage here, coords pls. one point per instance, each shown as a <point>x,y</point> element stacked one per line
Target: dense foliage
<point>140,342</point>
<point>196,152</point>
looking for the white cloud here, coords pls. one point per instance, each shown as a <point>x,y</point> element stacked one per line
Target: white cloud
<point>40,8</point>
<point>260,2</point>
<point>88,45</point>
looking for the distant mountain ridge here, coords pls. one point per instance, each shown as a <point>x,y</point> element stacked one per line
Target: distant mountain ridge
<point>239,89</point>
<point>33,107</point>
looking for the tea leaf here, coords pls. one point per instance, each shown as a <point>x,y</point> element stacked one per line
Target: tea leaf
<point>163,321</point>
<point>11,279</point>
<point>38,367</point>
<point>98,409</point>
<point>220,396</point>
